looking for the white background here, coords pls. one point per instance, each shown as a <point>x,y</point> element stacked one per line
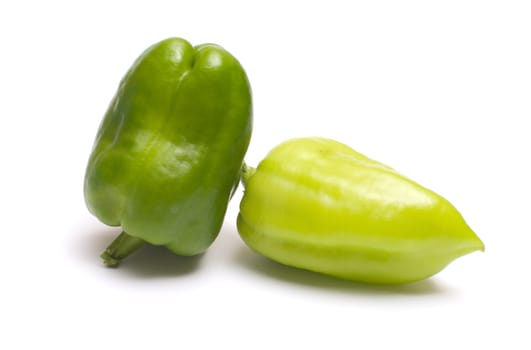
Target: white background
<point>440,90</point>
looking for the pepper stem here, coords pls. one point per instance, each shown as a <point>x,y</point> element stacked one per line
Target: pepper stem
<point>121,247</point>
<point>247,172</point>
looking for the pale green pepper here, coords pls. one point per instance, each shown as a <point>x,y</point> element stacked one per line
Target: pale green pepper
<point>317,204</point>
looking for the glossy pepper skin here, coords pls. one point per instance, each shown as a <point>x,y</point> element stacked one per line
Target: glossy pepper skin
<point>317,204</point>
<point>168,153</point>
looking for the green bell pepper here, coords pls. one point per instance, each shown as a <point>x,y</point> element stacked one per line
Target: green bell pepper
<point>317,204</point>
<point>168,153</point>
